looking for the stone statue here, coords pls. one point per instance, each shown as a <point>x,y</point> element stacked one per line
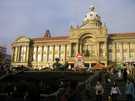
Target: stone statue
<point>92,8</point>
<point>92,14</point>
<point>58,66</point>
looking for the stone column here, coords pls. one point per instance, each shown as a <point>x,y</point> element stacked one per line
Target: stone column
<point>68,51</point>
<point>48,52</point>
<point>16,54</point>
<point>19,54</point>
<point>70,47</point>
<point>128,51</point>
<point>13,54</point>
<point>45,54</point>
<point>77,48</point>
<point>98,51</point>
<point>106,54</point>
<point>24,53</point>
<point>53,52</point>
<point>60,51</point>
<point>36,53</point>
<point>27,53</point>
<point>122,53</point>
<point>115,59</point>
<point>39,53</point>
<point>80,50</point>
<point>17,59</point>
<point>42,53</point>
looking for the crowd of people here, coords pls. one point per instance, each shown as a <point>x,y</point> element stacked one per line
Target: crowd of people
<point>115,91</point>
<point>4,69</point>
<point>71,91</point>
<point>25,90</point>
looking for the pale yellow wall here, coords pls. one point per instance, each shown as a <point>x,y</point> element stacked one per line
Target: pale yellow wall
<point>122,51</point>
<point>46,54</point>
<point>42,54</point>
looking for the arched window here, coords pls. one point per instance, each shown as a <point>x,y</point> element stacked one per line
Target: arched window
<point>88,47</point>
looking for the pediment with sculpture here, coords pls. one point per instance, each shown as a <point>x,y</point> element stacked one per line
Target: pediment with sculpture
<point>22,39</point>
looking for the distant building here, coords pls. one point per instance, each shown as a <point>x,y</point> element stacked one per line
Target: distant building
<point>91,39</point>
<point>2,54</point>
<point>8,59</point>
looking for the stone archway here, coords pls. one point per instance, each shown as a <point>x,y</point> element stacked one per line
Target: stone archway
<point>88,46</point>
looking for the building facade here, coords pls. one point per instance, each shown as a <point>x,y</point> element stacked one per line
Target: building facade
<point>91,39</point>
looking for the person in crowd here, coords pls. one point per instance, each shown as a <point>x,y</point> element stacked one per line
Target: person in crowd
<point>74,93</point>
<point>134,89</point>
<point>130,90</point>
<point>9,89</point>
<point>2,68</point>
<point>107,77</point>
<point>71,92</point>
<point>66,65</point>
<point>99,91</point>
<point>125,75</point>
<point>115,91</point>
<point>63,98</point>
<point>119,75</point>
<point>66,93</point>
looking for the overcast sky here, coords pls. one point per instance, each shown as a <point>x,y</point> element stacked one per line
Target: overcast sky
<point>32,17</point>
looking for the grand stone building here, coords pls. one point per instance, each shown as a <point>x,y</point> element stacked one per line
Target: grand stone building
<point>91,39</point>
